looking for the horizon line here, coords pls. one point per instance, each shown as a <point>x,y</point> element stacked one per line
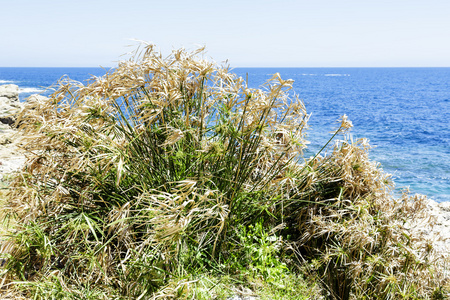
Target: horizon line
<point>247,67</point>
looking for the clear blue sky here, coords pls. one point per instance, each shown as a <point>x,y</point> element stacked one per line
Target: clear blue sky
<point>260,33</point>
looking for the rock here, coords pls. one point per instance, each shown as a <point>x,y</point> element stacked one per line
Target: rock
<point>11,165</point>
<point>433,226</point>
<point>37,98</point>
<point>444,206</point>
<point>9,103</point>
<point>7,120</point>
<point>10,92</point>
<point>440,230</point>
<point>35,101</point>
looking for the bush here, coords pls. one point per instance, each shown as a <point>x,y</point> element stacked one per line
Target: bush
<point>148,169</point>
<point>358,237</point>
<point>171,169</point>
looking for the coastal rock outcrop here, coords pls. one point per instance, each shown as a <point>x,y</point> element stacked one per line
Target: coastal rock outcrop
<point>10,92</point>
<point>9,103</point>
<point>440,212</point>
<point>434,226</point>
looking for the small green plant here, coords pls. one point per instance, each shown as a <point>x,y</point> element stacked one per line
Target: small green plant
<point>260,252</point>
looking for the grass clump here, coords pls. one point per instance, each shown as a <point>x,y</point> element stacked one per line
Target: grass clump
<point>146,172</point>
<point>170,178</point>
<point>359,238</point>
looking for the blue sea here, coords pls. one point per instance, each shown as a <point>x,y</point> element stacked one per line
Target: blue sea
<point>404,112</point>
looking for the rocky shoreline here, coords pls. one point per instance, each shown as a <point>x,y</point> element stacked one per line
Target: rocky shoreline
<point>12,157</point>
<point>440,213</point>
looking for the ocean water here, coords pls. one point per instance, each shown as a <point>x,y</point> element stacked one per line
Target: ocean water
<point>38,80</point>
<point>404,112</point>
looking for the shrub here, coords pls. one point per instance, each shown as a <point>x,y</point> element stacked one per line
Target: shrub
<point>359,238</point>
<point>171,169</point>
<point>147,170</point>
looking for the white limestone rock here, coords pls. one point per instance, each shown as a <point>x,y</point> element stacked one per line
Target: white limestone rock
<point>9,102</point>
<point>36,98</point>
<point>10,92</point>
<point>444,206</point>
<point>440,212</point>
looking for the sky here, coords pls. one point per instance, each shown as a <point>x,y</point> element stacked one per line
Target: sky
<point>246,33</point>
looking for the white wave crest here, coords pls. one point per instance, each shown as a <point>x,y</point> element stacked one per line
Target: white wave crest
<point>337,74</point>
<point>6,81</point>
<point>30,90</point>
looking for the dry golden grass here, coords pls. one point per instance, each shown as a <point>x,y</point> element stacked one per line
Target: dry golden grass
<point>158,169</point>
<point>158,159</point>
<point>3,194</point>
<point>359,235</point>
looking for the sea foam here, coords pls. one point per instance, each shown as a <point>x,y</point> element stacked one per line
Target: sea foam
<point>30,90</point>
